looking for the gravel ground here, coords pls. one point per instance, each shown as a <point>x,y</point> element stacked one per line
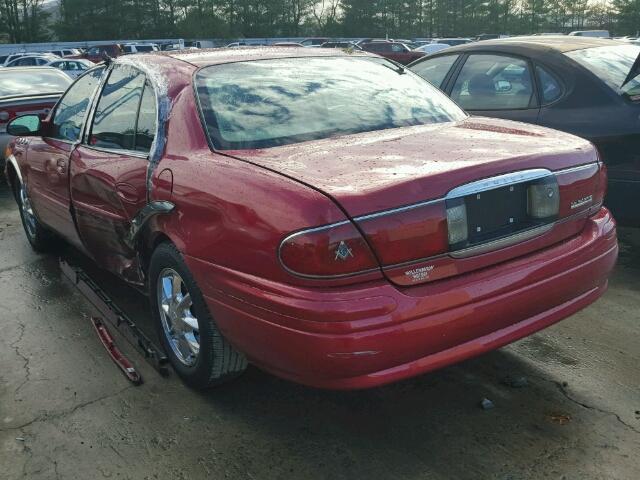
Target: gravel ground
<point>571,409</point>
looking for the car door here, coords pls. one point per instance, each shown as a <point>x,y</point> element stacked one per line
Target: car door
<point>47,173</point>
<point>109,169</point>
<point>496,85</point>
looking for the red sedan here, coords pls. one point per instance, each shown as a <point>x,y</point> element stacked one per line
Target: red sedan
<point>324,215</point>
<point>395,51</point>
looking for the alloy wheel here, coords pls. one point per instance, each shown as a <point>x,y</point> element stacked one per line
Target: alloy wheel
<point>179,324</point>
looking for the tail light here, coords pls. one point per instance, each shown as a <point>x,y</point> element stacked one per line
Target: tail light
<point>327,252</point>
<point>406,234</point>
<point>543,198</point>
<point>458,230</point>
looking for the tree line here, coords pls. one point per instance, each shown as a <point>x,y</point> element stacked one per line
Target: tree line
<point>72,20</point>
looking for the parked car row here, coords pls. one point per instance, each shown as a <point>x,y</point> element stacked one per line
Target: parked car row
<point>70,66</point>
<point>331,216</point>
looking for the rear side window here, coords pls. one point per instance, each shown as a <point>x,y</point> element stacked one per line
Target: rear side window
<point>146,127</point>
<point>25,62</point>
<point>435,70</point>
<point>72,108</point>
<point>493,82</point>
<point>549,86</point>
<point>114,123</point>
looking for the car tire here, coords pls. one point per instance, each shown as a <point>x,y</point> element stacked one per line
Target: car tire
<point>41,239</point>
<point>170,284</point>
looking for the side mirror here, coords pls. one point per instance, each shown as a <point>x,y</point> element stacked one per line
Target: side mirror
<point>24,126</point>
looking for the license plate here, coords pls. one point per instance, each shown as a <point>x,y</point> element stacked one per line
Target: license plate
<point>496,213</point>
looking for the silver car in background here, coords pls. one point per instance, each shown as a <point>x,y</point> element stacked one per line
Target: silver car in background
<point>28,90</point>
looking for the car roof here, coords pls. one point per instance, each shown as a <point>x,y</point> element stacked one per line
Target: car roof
<point>535,45</point>
<point>32,69</point>
<point>216,56</point>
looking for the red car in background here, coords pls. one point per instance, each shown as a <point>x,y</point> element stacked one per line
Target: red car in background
<point>321,214</point>
<point>28,90</point>
<point>396,51</point>
<point>98,53</point>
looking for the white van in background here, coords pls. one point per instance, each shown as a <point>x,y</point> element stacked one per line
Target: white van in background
<point>591,33</point>
<point>140,47</point>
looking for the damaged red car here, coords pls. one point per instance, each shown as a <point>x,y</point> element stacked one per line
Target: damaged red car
<point>327,216</point>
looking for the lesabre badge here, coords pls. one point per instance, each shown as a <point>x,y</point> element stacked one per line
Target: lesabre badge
<point>343,251</point>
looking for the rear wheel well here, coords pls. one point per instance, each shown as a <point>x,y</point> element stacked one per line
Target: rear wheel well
<point>148,243</point>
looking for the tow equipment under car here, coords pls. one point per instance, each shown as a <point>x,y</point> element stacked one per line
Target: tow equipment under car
<point>118,319</point>
<point>115,354</point>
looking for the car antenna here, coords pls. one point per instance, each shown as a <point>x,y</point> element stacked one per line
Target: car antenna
<point>396,67</point>
<point>107,58</point>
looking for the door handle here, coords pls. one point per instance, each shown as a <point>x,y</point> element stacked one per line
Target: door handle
<point>61,167</point>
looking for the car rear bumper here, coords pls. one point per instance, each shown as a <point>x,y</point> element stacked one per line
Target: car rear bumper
<point>375,333</point>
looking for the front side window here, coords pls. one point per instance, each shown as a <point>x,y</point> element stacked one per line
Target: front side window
<point>265,103</point>
<point>612,64</point>
<point>435,69</point>
<point>493,82</point>
<point>94,51</point>
<point>114,123</point>
<point>71,110</point>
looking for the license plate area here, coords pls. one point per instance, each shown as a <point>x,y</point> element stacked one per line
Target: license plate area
<point>497,213</point>
<point>490,212</point>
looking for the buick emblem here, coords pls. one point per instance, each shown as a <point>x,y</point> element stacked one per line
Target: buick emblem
<point>343,251</point>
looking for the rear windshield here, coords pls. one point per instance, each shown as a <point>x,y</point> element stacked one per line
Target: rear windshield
<point>16,82</point>
<point>612,64</point>
<point>266,103</point>
<point>144,48</point>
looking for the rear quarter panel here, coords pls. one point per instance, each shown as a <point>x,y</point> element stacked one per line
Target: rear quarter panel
<point>229,212</point>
